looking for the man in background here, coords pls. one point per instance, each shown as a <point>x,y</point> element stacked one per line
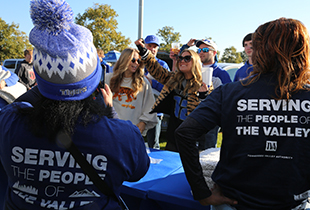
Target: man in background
<point>25,70</point>
<point>247,68</point>
<point>208,55</point>
<point>152,44</point>
<point>207,51</point>
<point>101,55</point>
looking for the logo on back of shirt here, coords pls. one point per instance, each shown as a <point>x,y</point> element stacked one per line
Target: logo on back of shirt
<point>271,146</point>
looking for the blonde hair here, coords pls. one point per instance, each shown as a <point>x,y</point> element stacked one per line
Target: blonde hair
<point>121,66</point>
<point>195,82</point>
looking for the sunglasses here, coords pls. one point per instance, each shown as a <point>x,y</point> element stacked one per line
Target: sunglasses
<point>186,58</point>
<point>134,60</point>
<point>205,49</point>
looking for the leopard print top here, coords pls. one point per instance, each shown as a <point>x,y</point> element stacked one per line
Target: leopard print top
<point>162,75</point>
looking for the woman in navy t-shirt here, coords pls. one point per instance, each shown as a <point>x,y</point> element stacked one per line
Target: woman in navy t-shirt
<point>265,149</point>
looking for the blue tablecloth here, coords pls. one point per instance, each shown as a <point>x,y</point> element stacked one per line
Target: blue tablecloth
<point>163,163</point>
<point>163,187</point>
<point>174,191</point>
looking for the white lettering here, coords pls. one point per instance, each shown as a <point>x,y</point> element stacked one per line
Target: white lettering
<point>28,198</point>
<point>272,104</point>
<point>305,105</point>
<point>65,177</point>
<point>18,152</point>
<point>276,118</point>
<point>67,180</point>
<point>294,105</point>
<point>298,132</point>
<point>306,132</point>
<point>51,158</point>
<point>55,176</point>
<point>100,162</point>
<point>241,105</point>
<point>78,177</point>
<point>252,105</point>
<point>61,160</point>
<point>48,156</point>
<point>44,174</point>
<point>31,156</point>
<point>282,131</point>
<point>264,103</point>
<point>275,104</point>
<point>247,130</point>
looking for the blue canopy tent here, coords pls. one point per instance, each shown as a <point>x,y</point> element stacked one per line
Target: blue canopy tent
<point>112,56</point>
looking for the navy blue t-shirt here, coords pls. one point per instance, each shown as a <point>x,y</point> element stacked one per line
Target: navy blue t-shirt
<point>42,175</point>
<point>265,151</point>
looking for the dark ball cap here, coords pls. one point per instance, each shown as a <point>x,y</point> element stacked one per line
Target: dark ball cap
<point>248,37</point>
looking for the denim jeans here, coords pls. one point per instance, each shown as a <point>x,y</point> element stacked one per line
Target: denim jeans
<point>153,135</point>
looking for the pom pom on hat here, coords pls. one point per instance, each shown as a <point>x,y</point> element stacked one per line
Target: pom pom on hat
<point>53,16</point>
<point>65,61</point>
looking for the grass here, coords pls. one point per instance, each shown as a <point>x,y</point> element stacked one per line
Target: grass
<point>219,140</point>
<point>163,142</point>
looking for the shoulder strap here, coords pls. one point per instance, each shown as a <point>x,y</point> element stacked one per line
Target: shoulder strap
<point>88,169</point>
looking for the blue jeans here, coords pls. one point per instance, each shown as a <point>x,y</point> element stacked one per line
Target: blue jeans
<point>223,207</point>
<point>153,134</point>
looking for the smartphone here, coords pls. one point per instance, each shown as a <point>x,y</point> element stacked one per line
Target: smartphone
<point>101,83</point>
<point>98,93</point>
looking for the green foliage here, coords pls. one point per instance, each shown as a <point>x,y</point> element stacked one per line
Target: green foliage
<point>168,36</point>
<point>100,20</point>
<point>12,41</point>
<point>231,55</point>
<point>244,56</point>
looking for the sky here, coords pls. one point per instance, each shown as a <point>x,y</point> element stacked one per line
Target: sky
<point>226,21</point>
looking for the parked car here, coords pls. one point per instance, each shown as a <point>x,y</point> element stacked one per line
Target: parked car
<point>231,68</point>
<point>11,64</point>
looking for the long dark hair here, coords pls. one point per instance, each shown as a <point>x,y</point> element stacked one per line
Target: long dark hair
<point>282,47</point>
<point>48,117</point>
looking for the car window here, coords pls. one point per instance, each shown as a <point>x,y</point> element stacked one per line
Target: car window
<point>232,73</point>
<point>9,64</point>
<point>18,62</point>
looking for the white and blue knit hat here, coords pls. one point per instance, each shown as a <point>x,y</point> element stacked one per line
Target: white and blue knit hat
<point>65,60</point>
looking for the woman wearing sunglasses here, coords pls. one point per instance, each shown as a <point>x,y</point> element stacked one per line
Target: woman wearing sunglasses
<point>132,93</point>
<point>183,89</point>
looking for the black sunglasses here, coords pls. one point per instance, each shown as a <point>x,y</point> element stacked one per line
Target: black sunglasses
<point>134,60</point>
<point>186,58</point>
